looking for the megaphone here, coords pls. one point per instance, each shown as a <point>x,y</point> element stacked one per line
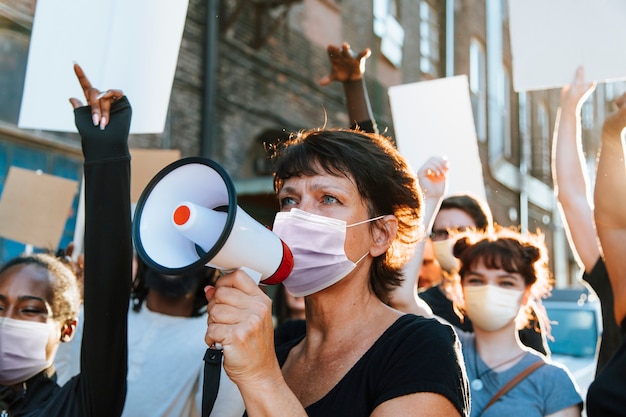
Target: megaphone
<point>187,217</point>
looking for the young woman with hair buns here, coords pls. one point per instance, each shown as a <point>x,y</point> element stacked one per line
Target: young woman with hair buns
<point>501,273</point>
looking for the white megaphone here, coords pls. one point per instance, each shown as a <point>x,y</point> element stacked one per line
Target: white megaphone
<point>188,216</point>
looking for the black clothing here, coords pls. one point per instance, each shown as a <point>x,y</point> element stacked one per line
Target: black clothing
<point>611,338</point>
<point>413,355</point>
<point>606,396</point>
<point>289,330</point>
<point>368,126</point>
<point>100,388</point>
<point>443,307</point>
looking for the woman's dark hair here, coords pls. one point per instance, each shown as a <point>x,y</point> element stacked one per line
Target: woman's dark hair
<point>473,206</point>
<point>382,177</point>
<point>195,281</point>
<point>64,296</point>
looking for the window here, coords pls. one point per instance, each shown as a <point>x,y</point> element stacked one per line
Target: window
<point>541,143</point>
<point>505,112</point>
<point>478,87</point>
<point>387,27</point>
<point>429,39</point>
<point>14,50</point>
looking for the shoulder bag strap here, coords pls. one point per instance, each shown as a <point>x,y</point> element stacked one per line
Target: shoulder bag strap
<point>212,370</point>
<point>513,382</point>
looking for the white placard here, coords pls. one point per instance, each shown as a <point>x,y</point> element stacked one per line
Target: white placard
<point>130,45</point>
<point>434,118</point>
<point>551,38</point>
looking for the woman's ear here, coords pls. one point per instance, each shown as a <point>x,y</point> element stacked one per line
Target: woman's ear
<point>383,233</point>
<point>68,329</point>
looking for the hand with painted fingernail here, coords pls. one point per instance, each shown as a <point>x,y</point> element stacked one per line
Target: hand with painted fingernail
<point>99,101</point>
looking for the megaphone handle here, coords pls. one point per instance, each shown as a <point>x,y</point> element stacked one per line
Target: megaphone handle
<point>211,384</point>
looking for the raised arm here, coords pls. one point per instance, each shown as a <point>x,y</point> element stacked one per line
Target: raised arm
<point>570,179</point>
<point>432,177</point>
<point>610,200</point>
<point>348,67</point>
<point>104,127</point>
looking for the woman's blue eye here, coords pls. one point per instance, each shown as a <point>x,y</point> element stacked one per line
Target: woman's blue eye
<point>287,201</point>
<point>329,199</point>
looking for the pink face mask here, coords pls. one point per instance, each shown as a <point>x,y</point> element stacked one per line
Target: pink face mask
<point>317,243</point>
<point>22,349</point>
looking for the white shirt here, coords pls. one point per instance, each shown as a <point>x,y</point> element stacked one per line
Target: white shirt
<point>166,368</point>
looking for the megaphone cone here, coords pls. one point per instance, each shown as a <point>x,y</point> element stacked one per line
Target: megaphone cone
<point>188,217</point>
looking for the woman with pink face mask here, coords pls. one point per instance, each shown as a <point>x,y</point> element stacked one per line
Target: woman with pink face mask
<point>350,213</point>
<point>501,273</point>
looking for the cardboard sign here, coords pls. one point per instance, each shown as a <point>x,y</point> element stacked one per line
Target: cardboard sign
<point>34,207</point>
<point>551,38</point>
<point>145,164</point>
<point>120,44</point>
<point>434,118</point>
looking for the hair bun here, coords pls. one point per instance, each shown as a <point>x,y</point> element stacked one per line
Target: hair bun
<point>531,253</point>
<point>460,246</point>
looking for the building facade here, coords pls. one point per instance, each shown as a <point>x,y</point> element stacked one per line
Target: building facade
<point>249,69</point>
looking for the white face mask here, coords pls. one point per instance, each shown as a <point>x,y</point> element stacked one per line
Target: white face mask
<point>443,254</point>
<point>317,244</point>
<point>22,349</point>
<point>490,307</point>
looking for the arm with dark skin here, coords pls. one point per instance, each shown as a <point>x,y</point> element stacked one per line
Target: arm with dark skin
<point>348,67</point>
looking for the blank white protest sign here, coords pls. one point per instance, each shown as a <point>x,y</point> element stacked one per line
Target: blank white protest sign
<point>130,45</point>
<point>551,38</point>
<point>434,118</point>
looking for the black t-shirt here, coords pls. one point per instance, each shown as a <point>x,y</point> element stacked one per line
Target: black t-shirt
<point>443,307</point>
<point>611,339</point>
<point>606,396</point>
<point>289,330</point>
<point>413,355</point>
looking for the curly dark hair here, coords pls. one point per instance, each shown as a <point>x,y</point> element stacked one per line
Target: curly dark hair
<point>64,296</point>
<point>200,278</point>
<point>382,177</point>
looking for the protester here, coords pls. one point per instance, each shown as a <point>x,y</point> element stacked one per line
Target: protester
<point>605,397</point>
<point>350,212</point>
<point>165,347</point>
<point>39,296</point>
<point>501,273</point>
<point>457,212</point>
<point>572,191</point>
<point>430,273</point>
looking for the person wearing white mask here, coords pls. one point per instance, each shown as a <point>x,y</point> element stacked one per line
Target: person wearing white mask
<point>350,211</point>
<point>457,212</point>
<point>454,214</point>
<point>501,273</point>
